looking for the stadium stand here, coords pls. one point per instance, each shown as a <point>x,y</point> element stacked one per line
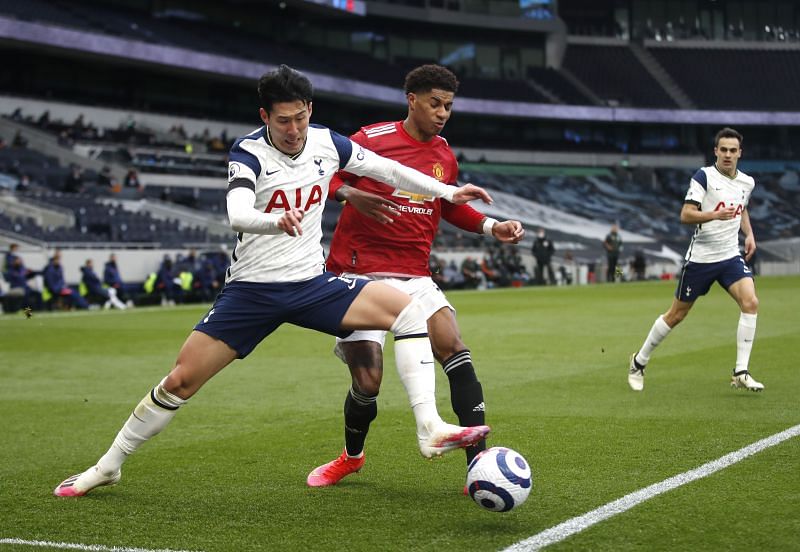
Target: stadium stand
<point>178,202</point>
<point>616,75</point>
<point>707,78</point>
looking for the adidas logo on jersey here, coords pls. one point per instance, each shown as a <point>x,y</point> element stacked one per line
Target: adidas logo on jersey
<point>388,128</point>
<point>480,408</point>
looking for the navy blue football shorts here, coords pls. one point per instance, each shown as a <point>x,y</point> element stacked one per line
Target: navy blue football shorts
<point>697,278</point>
<point>244,313</point>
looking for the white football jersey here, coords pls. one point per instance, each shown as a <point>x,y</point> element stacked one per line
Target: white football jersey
<point>711,190</point>
<point>282,182</point>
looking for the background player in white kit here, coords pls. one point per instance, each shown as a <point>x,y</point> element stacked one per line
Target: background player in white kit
<point>717,203</point>
<point>278,182</point>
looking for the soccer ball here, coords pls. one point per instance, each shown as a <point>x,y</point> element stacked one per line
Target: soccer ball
<point>499,479</point>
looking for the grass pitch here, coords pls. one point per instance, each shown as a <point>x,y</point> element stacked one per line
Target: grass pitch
<point>229,472</point>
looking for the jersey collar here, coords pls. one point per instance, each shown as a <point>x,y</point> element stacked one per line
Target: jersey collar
<point>294,157</point>
<point>725,175</point>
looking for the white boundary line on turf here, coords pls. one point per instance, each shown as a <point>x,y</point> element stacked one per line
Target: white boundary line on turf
<point>577,524</point>
<point>16,317</point>
<point>90,547</point>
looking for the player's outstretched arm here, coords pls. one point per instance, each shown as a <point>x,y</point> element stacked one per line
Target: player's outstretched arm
<point>363,162</point>
<point>368,204</point>
<point>244,217</point>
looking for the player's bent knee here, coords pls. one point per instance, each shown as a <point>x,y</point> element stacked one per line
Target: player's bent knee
<point>750,305</point>
<point>178,384</point>
<point>367,384</point>
<point>412,320</point>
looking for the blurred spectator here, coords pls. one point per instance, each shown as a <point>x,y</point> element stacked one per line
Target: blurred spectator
<point>436,268</point>
<point>74,181</point>
<point>19,141</point>
<point>206,284</point>
<point>24,183</point>
<point>613,247</point>
<point>56,293</point>
<point>168,283</point>
<point>20,293</point>
<point>453,278</point>
<point>112,279</point>
<point>44,119</point>
<point>543,250</point>
<point>94,289</point>
<point>132,180</point>
<point>11,254</point>
<point>639,265</point>
<point>473,277</point>
<point>107,181</point>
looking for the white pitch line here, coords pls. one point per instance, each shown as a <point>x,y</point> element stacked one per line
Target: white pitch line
<point>89,547</point>
<point>577,524</point>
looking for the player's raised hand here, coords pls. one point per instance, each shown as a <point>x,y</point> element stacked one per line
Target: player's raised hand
<point>290,222</point>
<point>468,192</point>
<point>371,205</point>
<point>510,231</point>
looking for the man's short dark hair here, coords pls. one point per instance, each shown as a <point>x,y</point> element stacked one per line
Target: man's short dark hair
<point>427,77</point>
<point>284,84</point>
<point>728,132</point>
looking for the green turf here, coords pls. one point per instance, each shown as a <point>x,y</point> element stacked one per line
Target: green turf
<point>229,472</point>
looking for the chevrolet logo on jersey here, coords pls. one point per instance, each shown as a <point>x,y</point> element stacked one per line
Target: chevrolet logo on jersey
<point>438,173</point>
<point>412,198</point>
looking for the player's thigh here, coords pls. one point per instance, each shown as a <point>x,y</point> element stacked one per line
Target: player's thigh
<point>375,308</point>
<point>200,358</point>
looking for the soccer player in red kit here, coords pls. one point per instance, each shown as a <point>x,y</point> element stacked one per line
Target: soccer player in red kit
<point>386,235</point>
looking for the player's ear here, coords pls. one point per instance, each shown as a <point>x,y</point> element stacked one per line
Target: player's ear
<point>264,115</point>
<point>309,108</point>
<point>412,98</point>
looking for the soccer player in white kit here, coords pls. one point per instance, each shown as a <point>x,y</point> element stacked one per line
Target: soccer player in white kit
<point>717,203</point>
<point>277,186</point>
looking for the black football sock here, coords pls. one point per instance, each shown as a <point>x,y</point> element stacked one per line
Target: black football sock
<point>359,411</point>
<point>466,396</point>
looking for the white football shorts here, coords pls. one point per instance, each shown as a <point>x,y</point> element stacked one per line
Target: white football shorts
<point>421,288</point>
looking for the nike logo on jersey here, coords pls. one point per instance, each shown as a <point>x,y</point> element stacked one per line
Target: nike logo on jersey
<point>271,173</point>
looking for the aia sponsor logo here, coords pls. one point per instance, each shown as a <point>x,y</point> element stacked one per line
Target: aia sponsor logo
<point>299,198</point>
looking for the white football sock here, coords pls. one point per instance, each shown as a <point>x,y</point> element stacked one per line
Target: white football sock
<point>150,416</point>
<point>745,334</point>
<point>658,332</point>
<point>415,365</point>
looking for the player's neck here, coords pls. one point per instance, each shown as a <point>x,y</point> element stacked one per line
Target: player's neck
<point>414,131</point>
<point>731,174</point>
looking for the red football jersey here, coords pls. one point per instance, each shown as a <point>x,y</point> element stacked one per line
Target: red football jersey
<point>365,246</point>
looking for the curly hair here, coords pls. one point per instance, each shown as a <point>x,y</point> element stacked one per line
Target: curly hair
<point>427,77</point>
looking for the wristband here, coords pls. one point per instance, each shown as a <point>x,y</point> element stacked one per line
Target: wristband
<point>488,224</point>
